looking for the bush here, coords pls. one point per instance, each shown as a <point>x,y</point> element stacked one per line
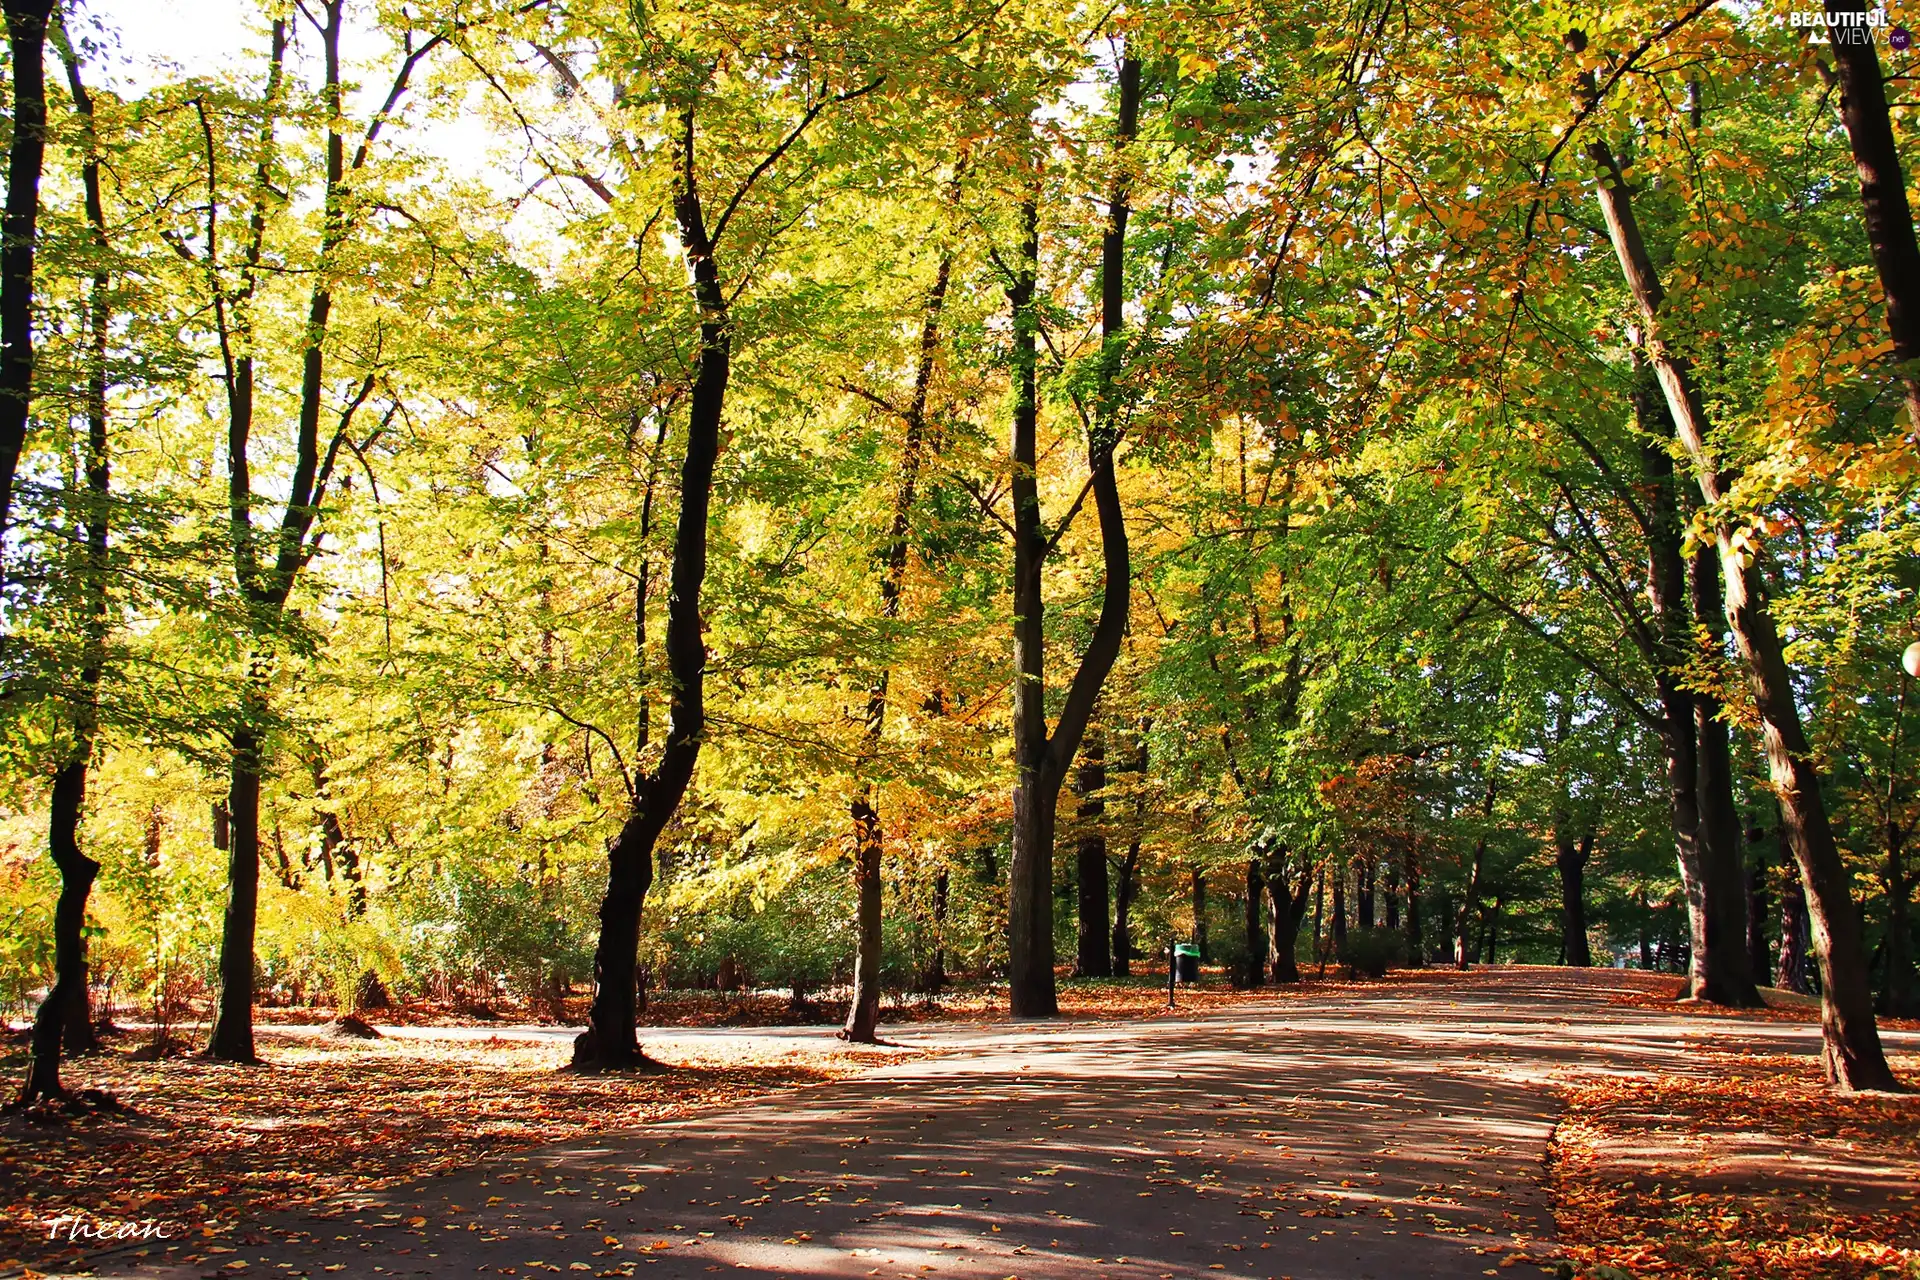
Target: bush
<point>487,923</point>
<point>801,939</point>
<point>1372,952</point>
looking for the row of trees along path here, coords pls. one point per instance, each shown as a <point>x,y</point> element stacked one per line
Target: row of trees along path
<point>725,157</point>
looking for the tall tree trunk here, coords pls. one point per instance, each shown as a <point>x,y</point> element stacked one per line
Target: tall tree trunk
<point>1758,908</point>
<point>1041,759</point>
<point>611,1040</point>
<point>863,1012</point>
<point>1729,978</point>
<point>1646,932</point>
<point>232,1037</point>
<point>1124,882</point>
<point>1793,971</point>
<point>1123,894</point>
<point>1470,906</point>
<point>934,978</point>
<point>1319,913</point>
<point>1883,190</point>
<point>1416,941</point>
<point>1030,889</point>
<point>1852,1055</point>
<point>1339,909</point>
<point>1197,896</point>
<point>1275,870</point>
<point>266,564</point>
<point>1363,883</point>
<point>1320,920</point>
<point>1571,859</point>
<point>26,47</point>
<point>65,819</point>
<point>1286,911</point>
<point>1093,958</point>
<point>1253,970</point>
<point>70,965</point>
<point>1667,586</point>
<point>265,589</point>
<point>1900,991</point>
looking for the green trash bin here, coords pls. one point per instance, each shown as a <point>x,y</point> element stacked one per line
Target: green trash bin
<point>1186,962</point>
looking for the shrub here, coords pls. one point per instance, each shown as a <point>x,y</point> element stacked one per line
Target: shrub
<point>1372,952</point>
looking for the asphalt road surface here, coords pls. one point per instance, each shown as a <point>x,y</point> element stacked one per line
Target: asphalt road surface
<point>1397,1134</point>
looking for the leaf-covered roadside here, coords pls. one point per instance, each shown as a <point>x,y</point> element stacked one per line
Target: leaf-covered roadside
<point>213,1146</point>
<point>1756,1170</point>
<point>1781,1006</point>
<point>964,1001</point>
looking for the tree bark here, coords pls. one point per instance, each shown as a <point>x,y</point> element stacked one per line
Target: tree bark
<point>1035,793</point>
<point>1125,873</point>
<point>266,568</point>
<point>232,1037</point>
<point>70,965</point>
<point>26,47</point>
<point>1646,933</point>
<point>1339,929</point>
<point>1197,895</point>
<point>1759,907</point>
<point>1123,893</point>
<point>934,978</point>
<point>65,818</point>
<point>863,1011</point>
<point>1093,958</point>
<point>611,1040</point>
<point>1883,192</point>
<point>1416,942</point>
<point>1463,952</point>
<point>1253,969</point>
<point>1667,587</point>
<point>1319,916</point>
<point>1571,859</point>
<point>1041,758</point>
<point>1729,980</point>
<point>1286,911</point>
<point>1796,943</point>
<point>1900,989</point>
<point>1852,1055</point>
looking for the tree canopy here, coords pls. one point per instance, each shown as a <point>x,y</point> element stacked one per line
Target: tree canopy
<point>509,497</point>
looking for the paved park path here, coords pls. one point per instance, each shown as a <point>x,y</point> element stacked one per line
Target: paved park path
<point>1390,1134</point>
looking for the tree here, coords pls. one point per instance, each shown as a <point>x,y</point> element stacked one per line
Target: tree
<point>864,1011</point>
<point>1041,757</point>
<point>610,1041</point>
<point>1883,188</point>
<point>266,569</point>
<point>62,1022</point>
<point>1852,1056</point>
<point>26,46</point>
